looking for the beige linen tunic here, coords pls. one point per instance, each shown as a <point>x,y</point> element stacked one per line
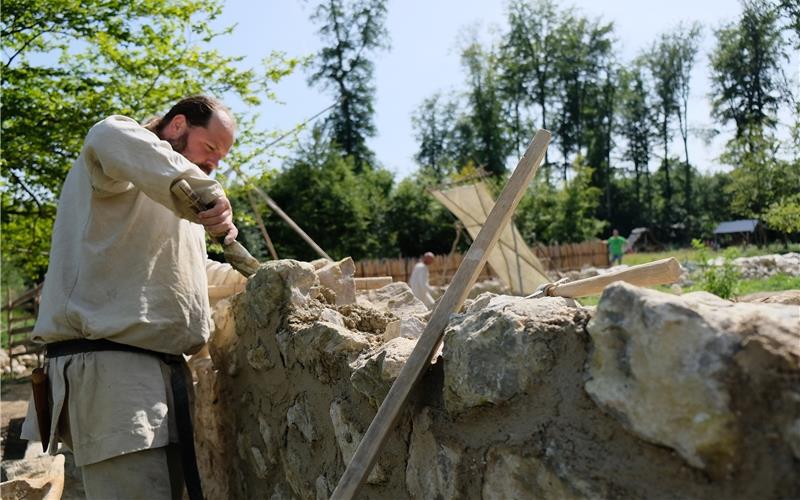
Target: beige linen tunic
<point>126,264</point>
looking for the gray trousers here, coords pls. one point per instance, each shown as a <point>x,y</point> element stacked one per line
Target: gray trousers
<point>155,474</point>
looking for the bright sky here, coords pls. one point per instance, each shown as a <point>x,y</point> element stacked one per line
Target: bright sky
<point>424,58</point>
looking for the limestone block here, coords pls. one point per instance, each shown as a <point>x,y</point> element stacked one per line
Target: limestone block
<point>222,345</point>
<point>259,465</point>
<point>348,436</point>
<point>666,366</point>
<point>395,297</point>
<point>493,285</point>
<point>433,467</point>
<point>332,316</point>
<point>211,423</point>
<point>265,430</point>
<point>299,417</point>
<point>410,328</point>
<point>374,372</point>
<point>787,297</point>
<point>510,474</point>
<point>497,349</point>
<point>338,276</point>
<point>318,345</point>
<point>258,358</point>
<point>5,360</point>
<point>323,490</point>
<point>37,477</point>
<point>277,283</point>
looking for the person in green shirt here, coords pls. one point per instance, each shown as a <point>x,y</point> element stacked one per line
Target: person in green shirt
<point>616,247</point>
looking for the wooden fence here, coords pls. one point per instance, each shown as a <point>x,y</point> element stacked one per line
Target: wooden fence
<point>555,257</point>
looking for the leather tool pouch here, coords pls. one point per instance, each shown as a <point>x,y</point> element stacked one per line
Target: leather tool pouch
<point>41,399</point>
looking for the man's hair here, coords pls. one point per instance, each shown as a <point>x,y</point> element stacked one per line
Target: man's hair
<point>198,110</point>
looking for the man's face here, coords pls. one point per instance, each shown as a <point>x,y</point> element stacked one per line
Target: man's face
<point>203,146</point>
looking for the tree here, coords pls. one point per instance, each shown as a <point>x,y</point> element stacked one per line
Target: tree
<point>784,216</point>
<point>686,43</point>
<point>635,126</point>
<point>747,84</point>
<point>663,63</point>
<point>343,211</point>
<point>71,64</point>
<point>486,109</point>
<point>421,223</point>
<point>748,88</point>
<point>526,58</point>
<point>575,204</point>
<point>433,124</point>
<point>761,177</point>
<point>351,32</point>
<point>582,73</point>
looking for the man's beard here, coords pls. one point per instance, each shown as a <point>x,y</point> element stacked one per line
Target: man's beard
<point>179,146</point>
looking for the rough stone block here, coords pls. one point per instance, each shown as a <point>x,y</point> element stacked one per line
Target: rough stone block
<point>374,373</point>
<point>348,436</point>
<point>395,297</point>
<point>496,350</point>
<point>671,367</point>
<point>338,276</point>
<point>433,466</point>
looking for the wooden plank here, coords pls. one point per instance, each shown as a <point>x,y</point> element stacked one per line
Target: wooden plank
<point>659,272</point>
<point>369,447</point>
<point>372,282</point>
<point>20,330</point>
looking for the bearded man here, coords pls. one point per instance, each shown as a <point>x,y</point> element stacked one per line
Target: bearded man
<point>125,297</point>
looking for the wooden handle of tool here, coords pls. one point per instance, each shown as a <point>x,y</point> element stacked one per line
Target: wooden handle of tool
<point>660,272</point>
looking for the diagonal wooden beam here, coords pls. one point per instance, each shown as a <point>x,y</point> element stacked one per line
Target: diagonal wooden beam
<point>367,451</point>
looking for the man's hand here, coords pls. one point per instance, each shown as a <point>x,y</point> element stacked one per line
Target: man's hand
<point>218,220</point>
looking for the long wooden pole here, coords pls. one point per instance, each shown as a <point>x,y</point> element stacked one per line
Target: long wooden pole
<point>367,451</point>
<point>261,226</point>
<point>659,272</point>
<point>274,206</point>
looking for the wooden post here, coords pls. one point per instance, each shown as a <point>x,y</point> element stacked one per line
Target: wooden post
<point>275,208</point>
<point>261,226</point>
<point>369,447</point>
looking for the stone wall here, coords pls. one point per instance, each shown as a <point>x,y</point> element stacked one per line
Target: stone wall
<point>656,396</point>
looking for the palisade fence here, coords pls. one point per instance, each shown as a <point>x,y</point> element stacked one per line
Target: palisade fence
<point>568,257</point>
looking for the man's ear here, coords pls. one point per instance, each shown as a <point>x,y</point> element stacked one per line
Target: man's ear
<point>177,125</point>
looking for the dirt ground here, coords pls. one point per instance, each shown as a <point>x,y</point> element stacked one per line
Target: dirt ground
<point>14,396</point>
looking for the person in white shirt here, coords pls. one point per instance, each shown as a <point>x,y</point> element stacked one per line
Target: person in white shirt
<point>126,296</point>
<point>419,280</point>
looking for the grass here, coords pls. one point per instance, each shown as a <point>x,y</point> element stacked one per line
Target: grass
<point>690,255</point>
<point>775,283</point>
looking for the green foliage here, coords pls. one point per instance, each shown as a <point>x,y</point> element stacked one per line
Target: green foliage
<point>351,32</point>
<point>784,215</point>
<point>491,146</point>
<point>343,211</point>
<point>435,134</point>
<point>636,123</point>
<point>760,177</point>
<point>747,81</point>
<point>564,215</point>
<point>422,223</point>
<point>69,64</point>
<point>537,211</point>
<point>721,280</point>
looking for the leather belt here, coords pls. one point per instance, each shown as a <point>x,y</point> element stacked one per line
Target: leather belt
<point>180,394</point>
